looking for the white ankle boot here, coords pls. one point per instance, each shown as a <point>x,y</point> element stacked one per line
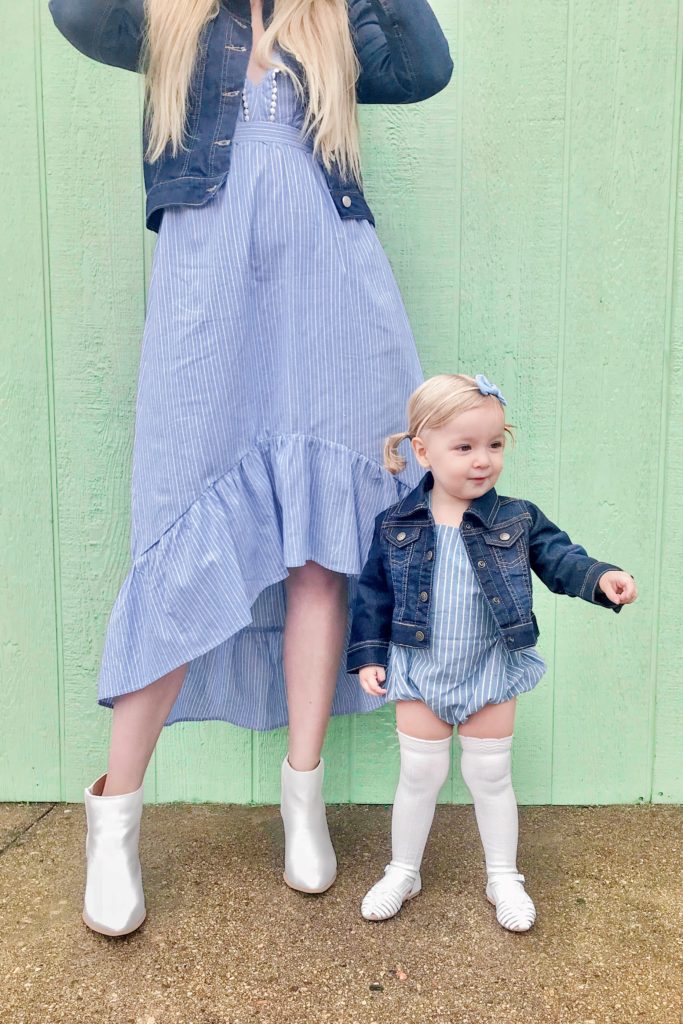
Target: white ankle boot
<point>310,861</point>
<point>114,900</point>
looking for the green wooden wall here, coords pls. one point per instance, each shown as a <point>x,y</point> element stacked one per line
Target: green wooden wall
<point>533,214</point>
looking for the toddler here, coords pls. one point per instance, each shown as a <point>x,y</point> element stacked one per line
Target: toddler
<point>443,625</point>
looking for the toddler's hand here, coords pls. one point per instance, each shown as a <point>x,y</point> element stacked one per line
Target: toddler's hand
<point>370,677</point>
<point>619,587</point>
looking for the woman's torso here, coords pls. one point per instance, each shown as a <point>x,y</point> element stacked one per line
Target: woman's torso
<point>403,59</point>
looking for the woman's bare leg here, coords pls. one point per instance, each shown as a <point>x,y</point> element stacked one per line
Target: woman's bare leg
<point>315,630</point>
<point>138,719</point>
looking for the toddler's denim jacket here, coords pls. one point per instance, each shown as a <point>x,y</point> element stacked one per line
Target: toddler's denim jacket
<point>402,52</point>
<point>505,539</point>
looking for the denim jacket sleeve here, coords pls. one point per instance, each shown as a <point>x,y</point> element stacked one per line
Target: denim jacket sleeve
<point>372,611</point>
<point>565,568</point>
<point>109,31</point>
<point>403,53</point>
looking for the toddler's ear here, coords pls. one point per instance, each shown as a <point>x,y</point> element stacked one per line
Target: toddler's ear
<point>420,451</point>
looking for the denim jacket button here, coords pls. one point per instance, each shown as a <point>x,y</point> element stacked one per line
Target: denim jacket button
<point>468,526</point>
<point>419,635</point>
<point>505,536</point>
<point>400,536</point>
<point>430,555</point>
<point>495,600</point>
<point>481,563</point>
<point>346,201</point>
<point>424,596</point>
<point>511,640</point>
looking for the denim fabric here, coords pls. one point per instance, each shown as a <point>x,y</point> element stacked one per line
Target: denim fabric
<point>505,539</point>
<point>401,49</point>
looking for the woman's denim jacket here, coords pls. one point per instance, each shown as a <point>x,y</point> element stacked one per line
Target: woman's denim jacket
<point>401,49</point>
<point>504,538</point>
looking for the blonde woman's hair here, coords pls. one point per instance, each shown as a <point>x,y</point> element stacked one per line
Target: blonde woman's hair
<point>430,406</point>
<point>315,32</point>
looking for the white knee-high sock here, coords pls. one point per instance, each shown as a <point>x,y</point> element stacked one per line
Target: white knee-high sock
<point>424,769</point>
<point>486,768</point>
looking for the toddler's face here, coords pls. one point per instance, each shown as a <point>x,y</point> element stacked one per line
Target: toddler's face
<point>465,455</point>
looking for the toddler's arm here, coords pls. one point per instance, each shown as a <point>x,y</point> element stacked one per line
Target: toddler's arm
<point>567,568</point>
<point>372,611</point>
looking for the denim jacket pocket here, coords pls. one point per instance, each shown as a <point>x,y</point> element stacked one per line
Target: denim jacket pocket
<point>509,546</point>
<point>402,536</point>
<point>400,544</point>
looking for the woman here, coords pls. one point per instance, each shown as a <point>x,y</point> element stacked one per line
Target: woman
<point>277,355</point>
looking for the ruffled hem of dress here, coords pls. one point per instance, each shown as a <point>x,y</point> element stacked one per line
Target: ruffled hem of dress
<point>205,593</point>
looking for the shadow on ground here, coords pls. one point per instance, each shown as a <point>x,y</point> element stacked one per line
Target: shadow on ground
<point>226,941</point>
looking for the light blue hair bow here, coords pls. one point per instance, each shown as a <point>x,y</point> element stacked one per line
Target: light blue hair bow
<point>487,388</point>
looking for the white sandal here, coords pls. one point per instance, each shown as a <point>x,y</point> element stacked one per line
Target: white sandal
<point>515,909</point>
<point>387,896</point>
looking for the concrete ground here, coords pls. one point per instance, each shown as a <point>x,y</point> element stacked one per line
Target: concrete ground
<point>226,941</point>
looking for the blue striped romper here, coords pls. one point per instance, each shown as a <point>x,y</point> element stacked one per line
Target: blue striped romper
<point>277,355</point>
<point>466,665</point>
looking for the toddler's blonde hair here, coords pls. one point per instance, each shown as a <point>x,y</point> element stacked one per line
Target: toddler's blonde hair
<point>431,405</point>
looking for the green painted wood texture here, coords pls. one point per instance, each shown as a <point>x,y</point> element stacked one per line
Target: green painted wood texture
<point>533,215</point>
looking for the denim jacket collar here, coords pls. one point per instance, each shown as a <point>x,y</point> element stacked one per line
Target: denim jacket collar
<point>417,499</point>
<point>484,508</point>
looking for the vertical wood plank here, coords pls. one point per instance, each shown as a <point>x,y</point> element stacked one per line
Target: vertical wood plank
<point>94,202</point>
<point>512,198</point>
<point>621,109</point>
<point>411,173</point>
<point>268,752</point>
<point>204,762</point>
<point>667,782</point>
<point>29,656</point>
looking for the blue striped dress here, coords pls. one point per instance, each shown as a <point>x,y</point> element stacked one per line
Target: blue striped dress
<point>466,665</point>
<point>277,355</point>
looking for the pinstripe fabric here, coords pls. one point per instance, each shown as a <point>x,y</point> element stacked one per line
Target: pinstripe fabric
<point>466,665</point>
<point>276,357</point>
